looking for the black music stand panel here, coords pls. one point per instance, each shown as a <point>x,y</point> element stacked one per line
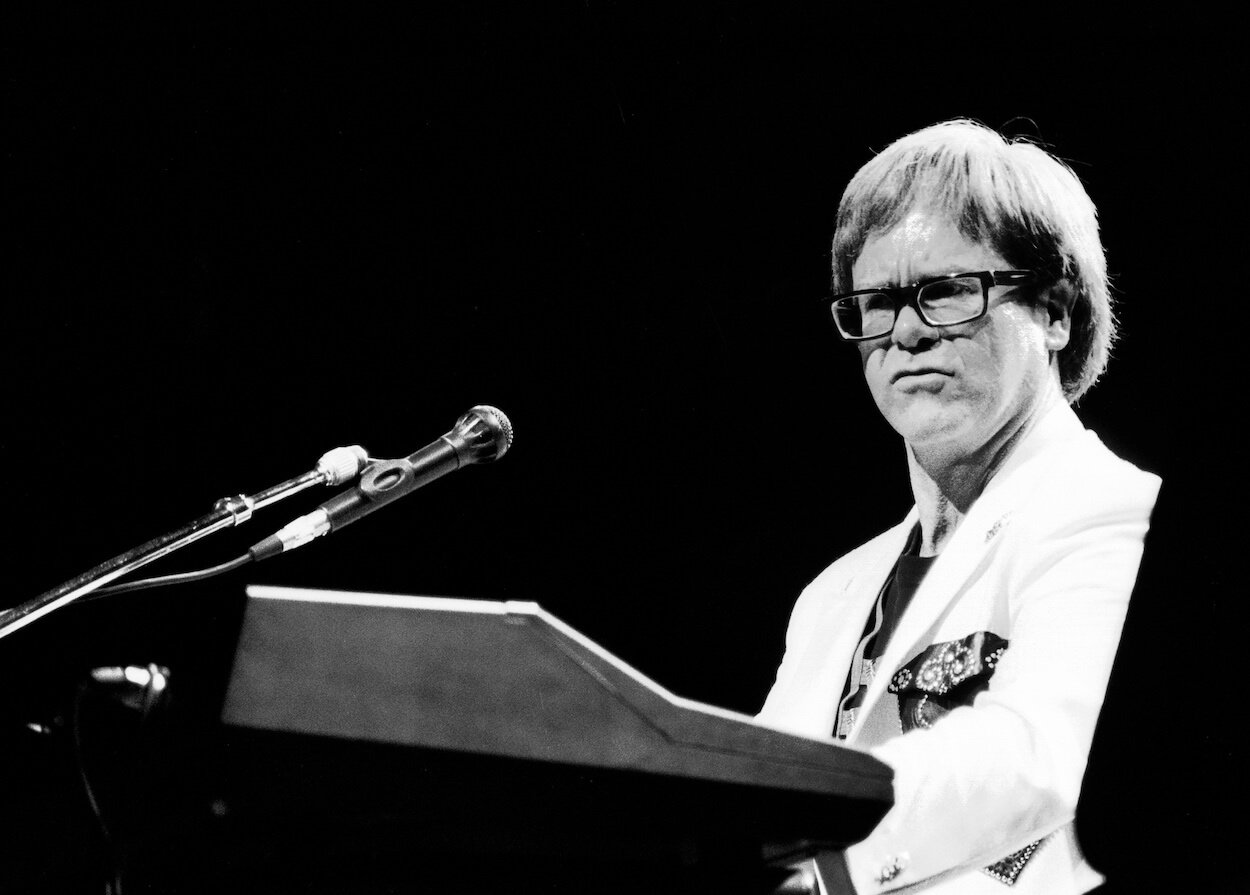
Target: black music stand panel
<point>490,734</point>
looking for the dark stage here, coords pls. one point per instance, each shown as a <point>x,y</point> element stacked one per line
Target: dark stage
<point>234,245</point>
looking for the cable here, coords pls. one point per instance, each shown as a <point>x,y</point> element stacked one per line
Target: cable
<point>113,884</point>
<point>161,581</point>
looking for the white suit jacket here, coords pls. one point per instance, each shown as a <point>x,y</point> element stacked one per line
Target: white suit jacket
<point>1045,559</point>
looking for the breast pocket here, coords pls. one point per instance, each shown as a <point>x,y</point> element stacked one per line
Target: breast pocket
<point>945,676</point>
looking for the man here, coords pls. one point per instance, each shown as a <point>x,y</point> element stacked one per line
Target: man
<point>969,647</point>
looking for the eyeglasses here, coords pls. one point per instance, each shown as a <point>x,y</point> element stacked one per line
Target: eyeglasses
<point>941,301</point>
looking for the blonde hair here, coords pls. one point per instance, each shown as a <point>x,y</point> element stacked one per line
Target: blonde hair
<point>1009,194</point>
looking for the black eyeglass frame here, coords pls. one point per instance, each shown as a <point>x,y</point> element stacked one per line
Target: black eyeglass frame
<point>909,296</point>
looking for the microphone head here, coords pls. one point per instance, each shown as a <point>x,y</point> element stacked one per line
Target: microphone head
<point>485,431</point>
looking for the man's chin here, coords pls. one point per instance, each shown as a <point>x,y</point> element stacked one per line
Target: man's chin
<point>930,431</point>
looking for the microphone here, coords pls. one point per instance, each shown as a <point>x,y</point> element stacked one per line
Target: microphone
<point>483,434</point>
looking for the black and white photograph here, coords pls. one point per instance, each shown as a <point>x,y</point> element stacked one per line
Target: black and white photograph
<point>694,449</point>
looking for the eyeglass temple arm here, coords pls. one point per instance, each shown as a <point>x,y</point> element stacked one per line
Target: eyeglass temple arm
<point>1005,277</point>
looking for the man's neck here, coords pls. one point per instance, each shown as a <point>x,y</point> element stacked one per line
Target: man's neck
<point>946,483</point>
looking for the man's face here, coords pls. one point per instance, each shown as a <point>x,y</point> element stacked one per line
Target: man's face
<point>952,388</point>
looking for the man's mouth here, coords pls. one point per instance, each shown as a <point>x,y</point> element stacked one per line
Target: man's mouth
<point>918,371</point>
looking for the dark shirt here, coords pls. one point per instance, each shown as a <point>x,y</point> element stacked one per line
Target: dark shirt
<point>892,602</point>
<point>904,583</point>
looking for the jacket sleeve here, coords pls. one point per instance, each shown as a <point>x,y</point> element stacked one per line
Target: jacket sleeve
<point>989,779</point>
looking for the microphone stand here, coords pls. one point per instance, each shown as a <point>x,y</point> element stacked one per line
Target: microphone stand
<point>227,512</point>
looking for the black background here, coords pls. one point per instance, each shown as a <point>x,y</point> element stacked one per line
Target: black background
<point>235,244</point>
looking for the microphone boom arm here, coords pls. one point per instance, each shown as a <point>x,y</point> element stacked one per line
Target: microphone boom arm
<point>334,468</point>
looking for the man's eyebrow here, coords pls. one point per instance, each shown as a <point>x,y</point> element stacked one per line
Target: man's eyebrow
<point>922,281</point>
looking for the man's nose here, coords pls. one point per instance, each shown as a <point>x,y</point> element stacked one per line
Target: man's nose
<point>910,331</point>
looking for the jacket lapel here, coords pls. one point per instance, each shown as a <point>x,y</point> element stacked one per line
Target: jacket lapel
<point>971,547</point>
<point>831,638</point>
<point>957,564</point>
<point>861,593</point>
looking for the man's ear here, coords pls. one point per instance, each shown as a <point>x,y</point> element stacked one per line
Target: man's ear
<point>1059,300</point>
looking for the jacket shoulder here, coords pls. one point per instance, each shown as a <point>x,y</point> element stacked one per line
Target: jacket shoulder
<point>1090,480</point>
